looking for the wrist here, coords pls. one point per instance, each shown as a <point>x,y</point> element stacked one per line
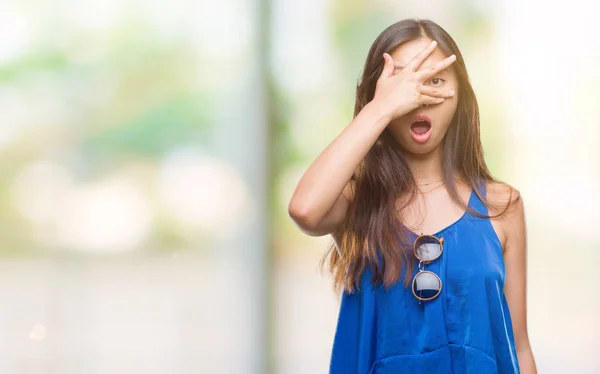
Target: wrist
<point>377,111</point>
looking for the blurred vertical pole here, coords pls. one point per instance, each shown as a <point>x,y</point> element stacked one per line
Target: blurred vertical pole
<point>265,269</point>
<point>243,136</point>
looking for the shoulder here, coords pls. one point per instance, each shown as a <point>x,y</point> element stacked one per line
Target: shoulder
<point>503,199</point>
<point>505,205</point>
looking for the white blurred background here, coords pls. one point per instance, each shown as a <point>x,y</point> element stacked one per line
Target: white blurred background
<point>148,151</point>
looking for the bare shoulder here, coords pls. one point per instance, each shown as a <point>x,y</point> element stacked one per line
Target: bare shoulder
<point>503,198</point>
<point>505,205</point>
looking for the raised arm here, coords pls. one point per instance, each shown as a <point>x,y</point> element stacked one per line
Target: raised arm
<point>318,206</point>
<point>321,199</point>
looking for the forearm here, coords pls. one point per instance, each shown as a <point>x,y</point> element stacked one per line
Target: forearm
<point>526,361</point>
<point>325,179</point>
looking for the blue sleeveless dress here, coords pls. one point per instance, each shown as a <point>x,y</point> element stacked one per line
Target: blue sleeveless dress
<point>467,329</point>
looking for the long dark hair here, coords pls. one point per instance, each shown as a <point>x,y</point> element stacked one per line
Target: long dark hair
<point>373,226</point>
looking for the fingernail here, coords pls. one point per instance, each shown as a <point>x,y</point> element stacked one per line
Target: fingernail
<point>451,92</point>
<point>433,43</point>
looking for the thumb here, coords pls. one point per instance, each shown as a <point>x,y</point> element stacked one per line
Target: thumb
<point>388,66</point>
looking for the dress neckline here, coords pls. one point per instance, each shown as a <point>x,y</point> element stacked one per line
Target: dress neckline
<point>469,205</point>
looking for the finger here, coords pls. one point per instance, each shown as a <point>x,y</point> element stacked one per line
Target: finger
<point>388,66</point>
<point>436,92</point>
<point>415,62</point>
<point>428,100</point>
<point>428,73</point>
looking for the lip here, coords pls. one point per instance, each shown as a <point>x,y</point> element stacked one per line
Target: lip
<point>420,117</point>
<point>421,138</point>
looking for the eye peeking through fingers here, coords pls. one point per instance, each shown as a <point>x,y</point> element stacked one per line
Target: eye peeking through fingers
<point>436,82</point>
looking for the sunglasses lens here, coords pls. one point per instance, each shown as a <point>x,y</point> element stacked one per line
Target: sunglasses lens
<point>427,285</point>
<point>428,248</point>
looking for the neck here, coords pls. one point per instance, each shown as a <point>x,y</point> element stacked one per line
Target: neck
<point>425,168</point>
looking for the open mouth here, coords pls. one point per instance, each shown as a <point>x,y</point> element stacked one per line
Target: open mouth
<point>420,129</point>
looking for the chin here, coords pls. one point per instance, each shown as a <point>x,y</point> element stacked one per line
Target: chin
<point>421,149</point>
<point>412,147</point>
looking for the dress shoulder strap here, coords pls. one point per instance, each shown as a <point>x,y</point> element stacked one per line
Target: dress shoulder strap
<point>476,203</point>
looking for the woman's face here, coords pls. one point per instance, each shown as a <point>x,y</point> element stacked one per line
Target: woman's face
<point>413,138</point>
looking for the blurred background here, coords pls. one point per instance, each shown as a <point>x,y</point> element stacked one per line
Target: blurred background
<point>148,150</point>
